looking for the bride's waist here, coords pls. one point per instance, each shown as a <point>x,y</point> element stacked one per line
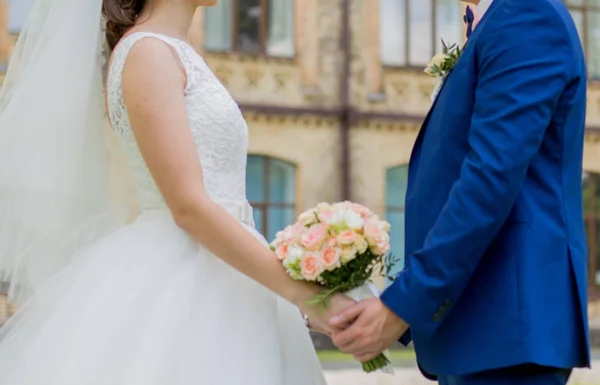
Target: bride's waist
<point>239,210</point>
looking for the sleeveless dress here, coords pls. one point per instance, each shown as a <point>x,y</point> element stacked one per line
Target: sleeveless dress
<point>148,305</point>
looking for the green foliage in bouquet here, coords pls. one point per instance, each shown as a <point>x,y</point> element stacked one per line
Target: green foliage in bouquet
<point>354,274</point>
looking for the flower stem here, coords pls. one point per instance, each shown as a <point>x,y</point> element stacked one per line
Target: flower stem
<point>379,362</point>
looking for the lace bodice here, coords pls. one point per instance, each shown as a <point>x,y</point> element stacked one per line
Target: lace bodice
<point>218,127</point>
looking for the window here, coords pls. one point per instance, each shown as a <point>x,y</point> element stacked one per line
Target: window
<point>17,13</point>
<point>271,185</point>
<point>411,30</point>
<point>396,182</point>
<point>586,14</point>
<point>591,210</point>
<point>252,26</point>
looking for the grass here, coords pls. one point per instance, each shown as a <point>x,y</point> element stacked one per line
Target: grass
<point>336,356</point>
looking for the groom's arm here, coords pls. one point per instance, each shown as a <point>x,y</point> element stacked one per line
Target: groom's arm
<point>525,63</point>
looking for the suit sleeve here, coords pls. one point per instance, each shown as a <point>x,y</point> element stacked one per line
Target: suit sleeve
<point>525,62</point>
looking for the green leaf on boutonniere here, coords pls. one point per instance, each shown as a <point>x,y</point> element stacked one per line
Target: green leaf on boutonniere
<point>444,61</point>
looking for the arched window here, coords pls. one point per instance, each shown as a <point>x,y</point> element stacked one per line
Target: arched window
<point>411,30</point>
<point>271,190</point>
<point>591,210</point>
<point>396,181</point>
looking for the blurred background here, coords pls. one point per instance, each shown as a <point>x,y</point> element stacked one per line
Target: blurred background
<point>334,94</point>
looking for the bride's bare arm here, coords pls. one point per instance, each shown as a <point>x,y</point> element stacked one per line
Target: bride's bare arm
<point>153,83</point>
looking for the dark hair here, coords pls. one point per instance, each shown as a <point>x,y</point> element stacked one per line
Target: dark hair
<point>120,16</point>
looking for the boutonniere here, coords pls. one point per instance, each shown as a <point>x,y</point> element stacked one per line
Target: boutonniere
<point>441,65</point>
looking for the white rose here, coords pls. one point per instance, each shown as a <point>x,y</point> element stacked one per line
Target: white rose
<point>308,218</point>
<point>295,253</point>
<point>353,220</point>
<point>438,59</point>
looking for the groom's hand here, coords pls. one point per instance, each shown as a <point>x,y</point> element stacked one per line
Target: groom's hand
<point>373,329</point>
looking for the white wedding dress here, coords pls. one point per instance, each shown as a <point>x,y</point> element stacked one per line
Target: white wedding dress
<point>147,305</point>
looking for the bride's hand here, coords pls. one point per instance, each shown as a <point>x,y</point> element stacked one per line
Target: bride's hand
<point>318,317</point>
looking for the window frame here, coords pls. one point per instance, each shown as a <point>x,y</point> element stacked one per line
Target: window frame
<point>407,37</point>
<point>267,204</point>
<point>263,33</point>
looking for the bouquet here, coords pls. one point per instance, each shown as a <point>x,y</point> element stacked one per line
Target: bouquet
<point>338,246</point>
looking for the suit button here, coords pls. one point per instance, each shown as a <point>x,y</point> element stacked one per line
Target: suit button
<point>437,317</point>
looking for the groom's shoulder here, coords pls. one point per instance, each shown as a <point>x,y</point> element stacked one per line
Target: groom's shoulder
<point>525,17</point>
<point>555,9</point>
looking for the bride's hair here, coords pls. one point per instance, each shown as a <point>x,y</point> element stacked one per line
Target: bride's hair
<point>120,16</point>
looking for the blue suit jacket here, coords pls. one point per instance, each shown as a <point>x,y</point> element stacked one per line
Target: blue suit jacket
<point>496,260</point>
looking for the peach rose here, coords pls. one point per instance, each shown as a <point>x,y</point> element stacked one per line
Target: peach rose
<point>373,232</point>
<point>314,237</point>
<point>346,237</point>
<point>331,242</point>
<point>281,251</point>
<point>385,226</point>
<point>325,216</point>
<point>296,231</point>
<point>331,258</point>
<point>348,253</point>
<point>307,218</point>
<point>311,267</point>
<point>361,210</point>
<point>380,248</point>
<point>361,244</point>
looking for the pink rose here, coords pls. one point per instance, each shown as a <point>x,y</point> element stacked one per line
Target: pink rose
<point>380,248</point>
<point>325,216</point>
<point>296,231</point>
<point>331,258</point>
<point>331,242</point>
<point>346,237</point>
<point>314,237</point>
<point>361,210</point>
<point>373,232</point>
<point>281,251</point>
<point>311,267</point>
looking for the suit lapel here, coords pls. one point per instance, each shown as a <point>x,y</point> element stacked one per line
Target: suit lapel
<point>417,147</point>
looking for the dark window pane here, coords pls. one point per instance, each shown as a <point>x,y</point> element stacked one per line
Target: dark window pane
<point>255,179</point>
<point>277,219</point>
<point>282,182</point>
<point>396,184</point>
<point>249,15</point>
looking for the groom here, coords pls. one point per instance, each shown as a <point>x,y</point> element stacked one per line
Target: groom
<point>494,288</point>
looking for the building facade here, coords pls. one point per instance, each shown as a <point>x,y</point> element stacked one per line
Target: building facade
<point>334,94</point>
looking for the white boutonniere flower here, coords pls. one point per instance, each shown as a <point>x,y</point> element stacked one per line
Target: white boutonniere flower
<point>441,65</point>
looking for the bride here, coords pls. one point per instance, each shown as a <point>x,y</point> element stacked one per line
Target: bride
<point>132,250</point>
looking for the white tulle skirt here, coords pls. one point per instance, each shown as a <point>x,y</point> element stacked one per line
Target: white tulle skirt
<point>148,306</point>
